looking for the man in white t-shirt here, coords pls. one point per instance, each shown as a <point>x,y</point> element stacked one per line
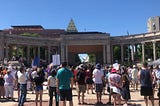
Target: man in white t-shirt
<point>22,80</point>
<point>98,76</point>
<point>134,76</point>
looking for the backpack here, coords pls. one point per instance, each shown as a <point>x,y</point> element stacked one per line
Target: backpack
<point>78,76</point>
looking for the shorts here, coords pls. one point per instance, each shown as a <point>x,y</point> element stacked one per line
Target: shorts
<point>135,80</point>
<point>81,88</point>
<point>66,94</point>
<point>146,91</point>
<point>39,88</point>
<point>98,87</point>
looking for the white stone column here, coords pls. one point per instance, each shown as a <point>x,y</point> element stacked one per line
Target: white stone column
<point>28,54</point>
<point>67,53</point>
<point>17,50</point>
<point>143,51</point>
<point>122,54</point>
<point>109,52</point>
<point>7,51</point>
<point>154,50</point>
<point>1,49</point>
<point>62,52</point>
<point>104,54</point>
<point>112,61</point>
<point>132,52</point>
<point>46,55</point>
<point>34,52</point>
<point>49,54</point>
<point>39,52</point>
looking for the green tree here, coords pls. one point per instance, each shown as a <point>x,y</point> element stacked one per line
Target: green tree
<point>116,53</point>
<point>92,58</point>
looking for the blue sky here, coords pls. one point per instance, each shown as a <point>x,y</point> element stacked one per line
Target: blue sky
<point>111,16</point>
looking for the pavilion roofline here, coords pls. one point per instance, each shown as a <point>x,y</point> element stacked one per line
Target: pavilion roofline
<point>84,33</point>
<point>26,26</point>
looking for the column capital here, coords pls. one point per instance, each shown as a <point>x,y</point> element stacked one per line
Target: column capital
<point>121,44</point>
<point>142,43</point>
<point>153,41</point>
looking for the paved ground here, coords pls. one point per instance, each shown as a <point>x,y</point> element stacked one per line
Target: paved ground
<point>90,99</point>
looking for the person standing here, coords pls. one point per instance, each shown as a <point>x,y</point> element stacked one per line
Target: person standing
<point>2,91</point>
<point>52,87</point>
<point>98,75</point>
<point>125,90</point>
<point>115,85</point>
<point>157,78</point>
<point>108,84</point>
<point>22,80</point>
<point>64,83</point>
<point>134,73</point>
<point>145,78</point>
<point>39,79</point>
<point>89,80</point>
<point>9,83</point>
<point>17,84</point>
<point>32,75</point>
<point>80,83</point>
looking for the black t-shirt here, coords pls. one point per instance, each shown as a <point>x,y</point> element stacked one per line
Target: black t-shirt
<point>39,80</point>
<point>81,77</point>
<point>1,81</point>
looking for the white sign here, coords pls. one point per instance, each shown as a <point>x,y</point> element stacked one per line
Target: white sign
<point>56,59</point>
<point>5,61</point>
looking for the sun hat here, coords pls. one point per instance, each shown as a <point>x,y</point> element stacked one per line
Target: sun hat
<point>113,70</point>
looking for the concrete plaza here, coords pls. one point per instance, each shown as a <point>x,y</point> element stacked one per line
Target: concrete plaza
<point>90,99</point>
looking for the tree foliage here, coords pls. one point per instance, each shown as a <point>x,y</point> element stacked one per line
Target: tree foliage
<point>30,34</point>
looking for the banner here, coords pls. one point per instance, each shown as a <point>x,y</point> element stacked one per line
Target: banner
<point>36,62</point>
<point>56,59</point>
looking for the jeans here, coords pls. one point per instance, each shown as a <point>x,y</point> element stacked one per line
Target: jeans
<point>51,90</point>
<point>23,91</point>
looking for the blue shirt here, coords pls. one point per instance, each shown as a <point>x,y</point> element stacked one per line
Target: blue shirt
<point>64,75</point>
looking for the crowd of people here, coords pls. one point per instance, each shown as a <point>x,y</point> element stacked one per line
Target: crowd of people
<point>115,80</point>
